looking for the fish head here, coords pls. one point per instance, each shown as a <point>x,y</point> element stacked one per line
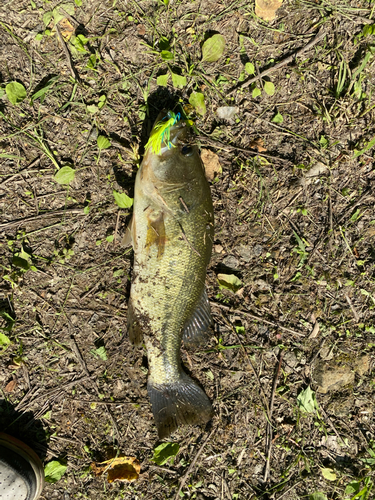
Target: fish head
<point>171,154</point>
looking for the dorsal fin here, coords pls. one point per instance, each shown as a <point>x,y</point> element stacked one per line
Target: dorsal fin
<point>196,328</point>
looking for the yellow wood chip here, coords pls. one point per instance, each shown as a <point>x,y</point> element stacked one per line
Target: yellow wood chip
<point>266,9</point>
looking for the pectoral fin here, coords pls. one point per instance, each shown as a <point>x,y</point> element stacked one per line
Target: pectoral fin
<point>129,236</point>
<point>197,327</point>
<point>156,231</point>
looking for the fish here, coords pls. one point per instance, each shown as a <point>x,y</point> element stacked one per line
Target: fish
<point>172,232</point>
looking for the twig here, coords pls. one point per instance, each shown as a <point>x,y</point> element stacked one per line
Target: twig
<point>225,147</point>
<point>57,213</point>
<point>24,170</point>
<point>269,426</point>
<point>67,54</point>
<point>257,318</point>
<point>192,465</point>
<point>355,314</point>
<point>321,34</point>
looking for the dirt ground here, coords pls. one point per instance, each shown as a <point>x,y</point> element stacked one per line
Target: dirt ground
<point>294,222</point>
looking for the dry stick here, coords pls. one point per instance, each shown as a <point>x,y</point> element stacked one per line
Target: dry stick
<point>269,426</point>
<point>41,216</point>
<point>219,144</point>
<point>321,34</point>
<point>354,311</point>
<point>257,318</point>
<point>191,466</point>
<point>67,54</point>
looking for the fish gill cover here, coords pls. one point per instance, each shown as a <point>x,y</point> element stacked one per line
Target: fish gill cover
<point>162,132</point>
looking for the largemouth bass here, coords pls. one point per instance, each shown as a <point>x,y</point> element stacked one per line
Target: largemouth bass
<point>172,233</point>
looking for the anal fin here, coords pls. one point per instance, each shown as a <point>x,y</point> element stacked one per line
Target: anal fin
<point>197,327</point>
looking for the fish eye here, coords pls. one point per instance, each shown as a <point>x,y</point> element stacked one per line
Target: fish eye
<point>187,150</point>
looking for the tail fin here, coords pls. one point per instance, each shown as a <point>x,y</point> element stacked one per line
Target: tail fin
<point>179,403</point>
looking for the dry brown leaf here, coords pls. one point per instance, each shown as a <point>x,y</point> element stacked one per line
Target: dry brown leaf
<point>11,386</point>
<point>119,469</point>
<point>258,144</point>
<point>66,28</point>
<point>266,9</point>
<point>211,164</point>
<point>141,29</point>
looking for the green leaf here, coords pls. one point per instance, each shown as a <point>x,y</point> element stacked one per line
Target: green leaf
<point>368,146</point>
<point>352,488</point>
<point>10,322</point>
<point>78,3</point>
<point>278,118</point>
<point>178,81</point>
<point>91,63</point>
<point>4,341</point>
<point>122,200</point>
<point>317,496</point>
<point>20,262</point>
<point>328,474</point>
<point>269,88</point>
<point>92,109</point>
<point>306,401</point>
<point>162,80</point>
<point>79,43</point>
<point>47,17</point>
<point>213,48</point>
<point>59,14</point>
<point>16,92</point>
<point>54,471</point>
<point>102,101</point>
<point>103,142</point>
<point>249,68</point>
<point>229,282</point>
<point>197,101</point>
<point>101,353</point>
<point>164,452</point>
<point>166,55</point>
<point>43,91</point>
<point>39,36</point>
<point>256,92</point>
<point>65,175</point>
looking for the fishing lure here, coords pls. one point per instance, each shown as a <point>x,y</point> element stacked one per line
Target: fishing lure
<point>162,133</point>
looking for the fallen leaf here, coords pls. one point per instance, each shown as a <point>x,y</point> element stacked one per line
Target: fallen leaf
<point>11,386</point>
<point>67,29</point>
<point>227,112</point>
<point>211,164</point>
<point>266,9</point>
<point>119,469</point>
<point>141,29</point>
<point>258,144</point>
<point>229,282</point>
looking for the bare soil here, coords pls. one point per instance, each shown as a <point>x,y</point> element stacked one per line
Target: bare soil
<point>294,221</point>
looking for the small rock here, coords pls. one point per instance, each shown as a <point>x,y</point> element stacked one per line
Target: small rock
<point>258,250</point>
<point>333,377</point>
<point>231,262</point>
<point>290,362</point>
<point>244,252</point>
<point>362,365</point>
<point>218,249</point>
<point>340,372</point>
